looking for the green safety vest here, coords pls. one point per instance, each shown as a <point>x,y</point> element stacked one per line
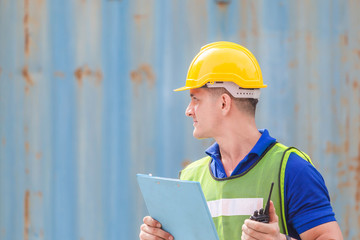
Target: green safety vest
<point>233,199</point>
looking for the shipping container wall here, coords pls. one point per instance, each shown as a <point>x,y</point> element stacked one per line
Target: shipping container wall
<point>86,102</point>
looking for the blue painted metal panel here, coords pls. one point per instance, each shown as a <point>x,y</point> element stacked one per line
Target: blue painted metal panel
<point>86,102</point>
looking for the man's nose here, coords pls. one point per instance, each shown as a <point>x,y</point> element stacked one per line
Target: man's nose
<point>188,111</point>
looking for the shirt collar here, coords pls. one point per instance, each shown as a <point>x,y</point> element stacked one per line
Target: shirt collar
<point>261,145</point>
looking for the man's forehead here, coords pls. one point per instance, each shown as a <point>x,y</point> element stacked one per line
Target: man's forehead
<point>196,91</point>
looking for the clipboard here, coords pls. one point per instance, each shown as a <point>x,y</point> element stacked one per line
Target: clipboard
<point>180,207</point>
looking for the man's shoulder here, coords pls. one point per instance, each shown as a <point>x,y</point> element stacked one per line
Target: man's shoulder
<point>198,163</point>
<point>293,153</point>
<point>195,167</point>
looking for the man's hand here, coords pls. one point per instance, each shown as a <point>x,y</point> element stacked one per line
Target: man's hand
<point>151,230</point>
<point>263,231</point>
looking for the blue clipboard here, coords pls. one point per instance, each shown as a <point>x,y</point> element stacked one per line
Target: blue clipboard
<point>180,207</point>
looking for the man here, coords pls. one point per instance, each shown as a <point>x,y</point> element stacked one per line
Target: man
<point>224,80</point>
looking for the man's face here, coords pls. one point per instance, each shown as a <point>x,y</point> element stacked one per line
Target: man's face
<point>203,108</point>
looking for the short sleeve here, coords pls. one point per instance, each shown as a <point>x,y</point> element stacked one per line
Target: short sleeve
<point>307,201</point>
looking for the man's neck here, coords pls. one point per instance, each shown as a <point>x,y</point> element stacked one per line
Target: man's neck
<point>236,144</point>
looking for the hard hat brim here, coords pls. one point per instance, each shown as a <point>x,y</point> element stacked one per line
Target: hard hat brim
<point>184,89</point>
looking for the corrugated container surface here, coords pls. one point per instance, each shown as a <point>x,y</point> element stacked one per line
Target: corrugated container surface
<point>86,102</point>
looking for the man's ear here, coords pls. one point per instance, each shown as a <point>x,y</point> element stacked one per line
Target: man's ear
<point>225,103</point>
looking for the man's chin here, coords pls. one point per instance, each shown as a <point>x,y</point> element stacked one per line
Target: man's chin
<point>198,135</point>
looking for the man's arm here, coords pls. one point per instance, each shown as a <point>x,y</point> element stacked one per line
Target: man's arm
<point>271,231</point>
<point>326,231</point>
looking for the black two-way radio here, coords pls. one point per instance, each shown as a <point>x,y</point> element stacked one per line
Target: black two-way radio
<point>263,215</point>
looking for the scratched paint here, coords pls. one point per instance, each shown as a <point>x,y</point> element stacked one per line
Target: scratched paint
<point>86,102</point>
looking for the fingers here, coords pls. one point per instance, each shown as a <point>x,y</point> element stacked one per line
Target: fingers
<point>151,222</point>
<point>253,226</point>
<point>250,234</point>
<point>257,230</point>
<point>151,230</point>
<point>272,213</point>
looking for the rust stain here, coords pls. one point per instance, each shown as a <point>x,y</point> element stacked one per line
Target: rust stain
<point>340,164</point>
<point>38,155</point>
<point>27,77</point>
<point>27,147</point>
<point>355,84</point>
<point>346,219</point>
<point>26,214</point>
<point>27,90</point>
<point>39,2</point>
<point>41,233</point>
<point>135,76</point>
<point>344,39</point>
<point>243,13</point>
<point>185,163</point>
<point>333,91</point>
<point>3,141</point>
<point>144,72</point>
<point>0,71</point>
<point>357,52</point>
<point>79,75</point>
<point>293,63</point>
<point>344,184</point>
<point>243,35</point>
<point>345,172</point>
<point>27,171</point>
<point>309,40</point>
<point>87,71</point>
<point>59,74</point>
<point>342,173</point>
<point>344,101</point>
<point>336,149</point>
<point>82,72</point>
<point>352,168</point>
<point>222,3</point>
<point>357,177</point>
<point>98,76</point>
<point>358,237</point>
<point>39,194</point>
<point>347,79</point>
<point>297,107</point>
<point>139,18</point>
<point>255,23</point>
<point>147,70</point>
<point>344,58</point>
<point>26,28</point>
<point>312,86</point>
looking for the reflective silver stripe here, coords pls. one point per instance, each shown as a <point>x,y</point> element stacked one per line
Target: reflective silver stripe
<point>234,206</point>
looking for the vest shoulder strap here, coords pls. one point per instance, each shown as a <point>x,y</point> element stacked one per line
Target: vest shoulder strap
<point>195,167</point>
<point>284,160</point>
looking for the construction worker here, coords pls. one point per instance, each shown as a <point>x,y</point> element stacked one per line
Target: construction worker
<point>224,80</point>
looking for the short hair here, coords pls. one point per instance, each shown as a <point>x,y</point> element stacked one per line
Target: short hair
<point>247,105</point>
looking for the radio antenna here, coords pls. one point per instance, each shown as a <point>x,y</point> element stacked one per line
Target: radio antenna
<point>268,201</point>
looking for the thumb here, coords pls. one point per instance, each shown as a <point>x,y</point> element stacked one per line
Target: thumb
<point>272,213</point>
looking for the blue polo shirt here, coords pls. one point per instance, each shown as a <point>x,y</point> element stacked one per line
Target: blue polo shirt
<point>304,209</point>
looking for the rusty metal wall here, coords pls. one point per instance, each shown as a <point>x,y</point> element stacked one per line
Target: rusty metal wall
<point>86,102</point>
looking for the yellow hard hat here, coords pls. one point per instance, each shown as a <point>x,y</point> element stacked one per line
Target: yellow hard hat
<point>224,62</point>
